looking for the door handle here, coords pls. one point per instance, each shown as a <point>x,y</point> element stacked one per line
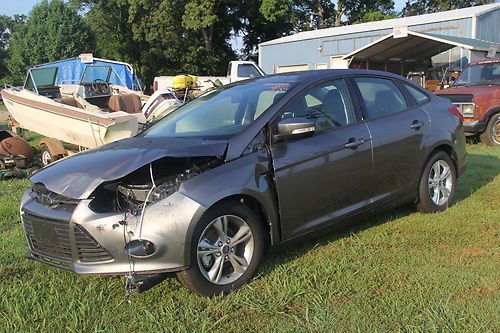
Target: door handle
<point>415,125</point>
<point>354,143</point>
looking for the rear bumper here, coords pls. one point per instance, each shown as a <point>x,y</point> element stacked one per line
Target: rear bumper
<point>77,239</point>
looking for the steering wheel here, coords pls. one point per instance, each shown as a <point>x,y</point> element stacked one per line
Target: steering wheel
<point>97,85</point>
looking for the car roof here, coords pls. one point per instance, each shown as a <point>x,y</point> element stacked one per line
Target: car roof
<point>315,75</point>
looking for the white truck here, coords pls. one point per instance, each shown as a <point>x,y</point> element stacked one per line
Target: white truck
<point>237,70</point>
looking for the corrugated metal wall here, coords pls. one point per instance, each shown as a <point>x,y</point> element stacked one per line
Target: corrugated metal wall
<point>320,50</point>
<point>488,26</point>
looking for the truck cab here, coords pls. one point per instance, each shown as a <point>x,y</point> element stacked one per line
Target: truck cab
<point>476,92</point>
<point>237,70</point>
<point>241,70</point>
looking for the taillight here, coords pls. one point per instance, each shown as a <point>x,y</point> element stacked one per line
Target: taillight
<point>454,110</point>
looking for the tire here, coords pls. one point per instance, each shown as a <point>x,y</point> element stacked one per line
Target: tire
<point>202,277</point>
<point>491,135</point>
<point>436,193</point>
<point>46,156</point>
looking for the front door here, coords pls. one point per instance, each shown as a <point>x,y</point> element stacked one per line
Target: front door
<point>324,176</point>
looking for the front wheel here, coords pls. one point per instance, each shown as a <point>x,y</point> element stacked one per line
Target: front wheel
<point>226,248</point>
<point>491,136</point>
<point>437,184</point>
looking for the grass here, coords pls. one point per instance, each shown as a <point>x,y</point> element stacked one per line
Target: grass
<point>398,271</point>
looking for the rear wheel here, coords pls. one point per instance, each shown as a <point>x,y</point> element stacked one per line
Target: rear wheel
<point>491,136</point>
<point>437,184</point>
<point>226,248</point>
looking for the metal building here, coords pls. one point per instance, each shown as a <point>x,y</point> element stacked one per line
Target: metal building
<point>448,39</point>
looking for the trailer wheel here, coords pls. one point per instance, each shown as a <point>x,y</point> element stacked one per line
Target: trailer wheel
<point>47,156</point>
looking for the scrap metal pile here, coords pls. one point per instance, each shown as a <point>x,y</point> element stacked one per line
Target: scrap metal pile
<point>16,156</point>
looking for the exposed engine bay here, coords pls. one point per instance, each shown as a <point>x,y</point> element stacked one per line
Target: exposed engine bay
<point>148,184</point>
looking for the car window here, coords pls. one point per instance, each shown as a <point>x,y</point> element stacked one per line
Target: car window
<point>223,112</point>
<point>248,70</point>
<point>419,96</point>
<point>328,104</point>
<point>380,96</point>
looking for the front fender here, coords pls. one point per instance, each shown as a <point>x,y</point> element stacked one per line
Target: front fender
<point>249,175</point>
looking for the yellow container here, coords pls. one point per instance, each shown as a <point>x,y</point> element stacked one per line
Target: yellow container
<point>184,81</point>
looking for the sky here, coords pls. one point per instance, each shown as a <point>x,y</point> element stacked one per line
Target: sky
<point>11,7</point>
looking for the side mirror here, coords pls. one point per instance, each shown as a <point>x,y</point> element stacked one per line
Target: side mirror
<point>294,128</point>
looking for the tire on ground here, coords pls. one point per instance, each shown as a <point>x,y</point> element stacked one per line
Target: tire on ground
<point>194,279</point>
<point>489,136</point>
<point>425,203</point>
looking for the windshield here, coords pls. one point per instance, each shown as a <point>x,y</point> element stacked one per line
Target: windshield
<point>221,113</point>
<point>480,74</point>
<point>93,73</point>
<point>41,77</point>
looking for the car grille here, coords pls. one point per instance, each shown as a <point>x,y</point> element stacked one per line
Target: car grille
<point>50,241</point>
<point>48,237</point>
<point>88,248</point>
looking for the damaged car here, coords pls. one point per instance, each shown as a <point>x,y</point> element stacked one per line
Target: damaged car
<point>207,189</point>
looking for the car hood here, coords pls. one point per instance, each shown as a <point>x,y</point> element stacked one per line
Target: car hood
<point>79,175</point>
<point>469,90</point>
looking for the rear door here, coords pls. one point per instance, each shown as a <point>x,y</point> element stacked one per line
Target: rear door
<point>325,176</point>
<point>397,125</point>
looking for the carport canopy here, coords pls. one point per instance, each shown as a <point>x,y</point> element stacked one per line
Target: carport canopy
<point>415,46</point>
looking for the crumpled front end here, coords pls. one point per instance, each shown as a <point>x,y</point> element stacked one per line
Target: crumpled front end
<point>81,236</point>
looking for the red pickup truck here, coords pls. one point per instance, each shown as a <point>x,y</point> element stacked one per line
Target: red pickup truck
<point>476,92</point>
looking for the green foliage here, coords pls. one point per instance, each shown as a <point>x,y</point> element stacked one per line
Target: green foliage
<point>355,10</point>
<point>163,37</point>
<point>418,7</point>
<point>53,31</point>
<point>8,25</point>
<point>376,16</point>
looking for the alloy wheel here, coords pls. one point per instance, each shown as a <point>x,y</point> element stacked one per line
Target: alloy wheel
<point>225,249</point>
<point>440,182</point>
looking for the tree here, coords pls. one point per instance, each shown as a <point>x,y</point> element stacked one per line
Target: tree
<point>376,16</point>
<point>8,24</point>
<point>52,31</point>
<point>420,7</point>
<point>163,37</point>
<point>355,10</point>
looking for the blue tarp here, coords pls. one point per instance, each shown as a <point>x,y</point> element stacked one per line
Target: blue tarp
<point>71,71</point>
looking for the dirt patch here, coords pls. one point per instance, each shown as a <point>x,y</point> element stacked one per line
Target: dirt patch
<point>443,246</point>
<point>472,250</point>
<point>486,291</point>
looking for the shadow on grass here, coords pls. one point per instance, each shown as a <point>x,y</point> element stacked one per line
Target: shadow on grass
<point>481,170</point>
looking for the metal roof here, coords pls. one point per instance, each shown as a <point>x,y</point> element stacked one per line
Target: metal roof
<point>415,46</point>
<point>388,24</point>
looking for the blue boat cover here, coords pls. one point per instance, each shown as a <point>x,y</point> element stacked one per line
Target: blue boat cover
<point>70,71</point>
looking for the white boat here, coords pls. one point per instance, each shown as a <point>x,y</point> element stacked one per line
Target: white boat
<point>105,104</point>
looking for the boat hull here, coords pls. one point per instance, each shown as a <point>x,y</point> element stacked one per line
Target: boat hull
<point>85,128</point>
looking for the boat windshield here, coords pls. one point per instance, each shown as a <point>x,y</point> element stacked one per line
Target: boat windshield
<point>221,113</point>
<point>93,73</point>
<point>40,77</point>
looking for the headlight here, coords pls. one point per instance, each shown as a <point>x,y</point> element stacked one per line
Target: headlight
<point>467,109</point>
